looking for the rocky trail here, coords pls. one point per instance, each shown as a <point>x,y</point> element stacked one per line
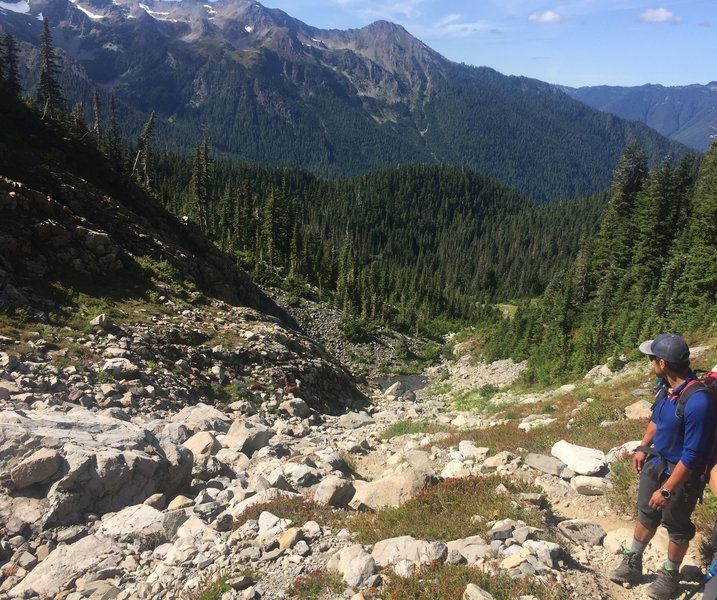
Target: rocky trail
<point>130,485</point>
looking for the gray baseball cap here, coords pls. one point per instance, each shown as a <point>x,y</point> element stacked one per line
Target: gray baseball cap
<point>667,346</point>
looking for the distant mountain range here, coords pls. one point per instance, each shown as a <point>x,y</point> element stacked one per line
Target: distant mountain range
<point>264,87</point>
<point>686,114</point>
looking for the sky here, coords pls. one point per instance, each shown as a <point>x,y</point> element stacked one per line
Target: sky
<point>574,43</point>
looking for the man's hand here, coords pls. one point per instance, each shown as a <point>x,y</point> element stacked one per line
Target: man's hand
<point>638,461</point>
<point>658,501</point>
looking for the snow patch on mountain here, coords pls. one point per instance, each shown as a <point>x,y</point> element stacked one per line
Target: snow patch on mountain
<point>22,7</point>
<point>91,15</point>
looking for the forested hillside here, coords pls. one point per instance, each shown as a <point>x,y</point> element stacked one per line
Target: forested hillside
<point>426,248</point>
<point>687,114</point>
<point>264,87</point>
<point>650,268</point>
<point>404,246</point>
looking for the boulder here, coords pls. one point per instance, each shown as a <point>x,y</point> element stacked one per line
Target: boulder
<point>419,552</point>
<point>471,549</point>
<point>355,565</point>
<point>455,469</point>
<point>474,592</point>
<point>546,464</point>
<point>270,524</point>
<point>247,437</point>
<point>202,443</point>
<point>296,407</point>
<point>469,450</point>
<point>391,490</point>
<point>582,531</point>
<point>534,421</point>
<point>394,390</point>
<point>354,420</point>
<point>334,491</point>
<point>120,368</point>
<point>639,411</point>
<point>581,460</point>
<point>590,486</point>
<point>202,417</point>
<point>141,524</point>
<point>38,467</point>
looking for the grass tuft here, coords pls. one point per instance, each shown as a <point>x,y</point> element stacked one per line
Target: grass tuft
<point>212,587</point>
<point>623,495</point>
<point>299,510</point>
<point>316,584</point>
<point>413,427</point>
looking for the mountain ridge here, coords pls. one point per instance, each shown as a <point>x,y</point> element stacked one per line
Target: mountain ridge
<point>264,87</point>
<point>684,113</point>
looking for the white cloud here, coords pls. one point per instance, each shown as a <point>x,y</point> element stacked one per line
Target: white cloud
<point>386,10</point>
<point>659,15</point>
<point>545,17</point>
<point>452,26</point>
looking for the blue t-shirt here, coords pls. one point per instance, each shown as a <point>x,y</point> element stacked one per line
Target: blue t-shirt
<point>693,443</point>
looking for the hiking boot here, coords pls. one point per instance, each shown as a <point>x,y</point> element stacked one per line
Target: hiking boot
<point>630,569</point>
<point>665,586</point>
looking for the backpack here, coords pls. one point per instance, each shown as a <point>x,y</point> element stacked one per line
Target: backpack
<point>707,382</point>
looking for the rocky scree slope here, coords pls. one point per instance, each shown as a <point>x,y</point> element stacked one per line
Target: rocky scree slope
<point>123,490</point>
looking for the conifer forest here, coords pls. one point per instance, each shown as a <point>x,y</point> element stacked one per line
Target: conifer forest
<point>427,248</point>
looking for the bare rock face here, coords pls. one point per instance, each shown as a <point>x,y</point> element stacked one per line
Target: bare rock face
<point>108,464</point>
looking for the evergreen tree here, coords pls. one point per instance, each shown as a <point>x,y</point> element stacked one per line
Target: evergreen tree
<point>694,301</point>
<point>97,124</point>
<point>115,150</point>
<point>49,96</point>
<point>200,185</point>
<point>77,119</point>
<point>142,167</point>
<point>11,76</point>
<point>267,237</point>
<point>612,249</point>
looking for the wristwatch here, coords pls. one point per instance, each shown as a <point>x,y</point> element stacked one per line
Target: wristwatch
<point>665,493</point>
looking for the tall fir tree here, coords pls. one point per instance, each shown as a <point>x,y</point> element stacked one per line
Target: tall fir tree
<point>694,301</point>
<point>97,122</point>
<point>11,75</point>
<point>613,244</point>
<point>49,97</point>
<point>142,169</point>
<point>200,185</point>
<point>115,149</point>
<point>77,119</point>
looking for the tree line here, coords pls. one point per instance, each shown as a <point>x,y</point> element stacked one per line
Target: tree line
<point>427,248</point>
<point>649,269</point>
<point>49,102</point>
<point>423,248</point>
<point>417,247</point>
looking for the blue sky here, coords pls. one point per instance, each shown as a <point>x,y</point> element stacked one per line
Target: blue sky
<point>575,42</point>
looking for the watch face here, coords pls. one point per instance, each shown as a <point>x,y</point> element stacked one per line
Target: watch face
<point>665,493</point>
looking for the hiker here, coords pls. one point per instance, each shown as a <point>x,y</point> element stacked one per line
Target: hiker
<point>671,463</point>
